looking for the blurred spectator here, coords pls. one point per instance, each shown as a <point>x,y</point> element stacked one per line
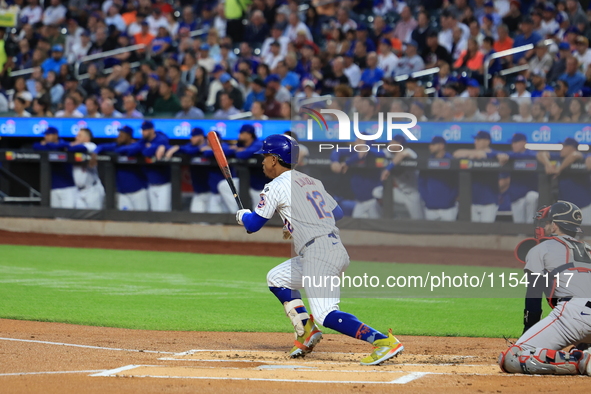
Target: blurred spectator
<point>143,36</point>
<point>167,103</point>
<point>204,59</point>
<point>257,30</point>
<point>273,57</point>
<point>387,60</point>
<point>174,77</point>
<point>539,83</point>
<point>343,21</point>
<point>524,114</point>
<point>410,62</point>
<point>576,111</point>
<point>272,106</point>
<point>189,111</point>
<point>257,93</point>
<point>108,109</point>
<point>294,26</point>
<point>527,36</point>
<point>70,109</point>
<point>55,14</point>
<point>520,89</point>
<point>81,48</point>
<point>582,53</point>
<point>258,111</point>
<point>559,66</point>
<point>289,79</point>
<point>574,78</point>
<point>56,90</point>
<point>541,60</point>
<point>276,36</point>
<point>372,74</point>
<point>405,26</point>
<point>33,12</point>
<point>41,108</point>
<point>281,92</point>
<point>55,62</point>
<point>433,53</point>
<point>231,90</point>
<point>446,35</point>
<point>92,108</point>
<point>160,44</point>
<point>471,58</point>
<point>420,33</point>
<point>226,106</point>
<point>130,107</point>
<point>19,108</point>
<point>156,21</point>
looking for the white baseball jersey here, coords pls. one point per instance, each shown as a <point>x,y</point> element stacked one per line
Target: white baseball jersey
<point>303,204</point>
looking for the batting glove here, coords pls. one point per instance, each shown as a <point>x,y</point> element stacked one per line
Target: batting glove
<point>241,213</point>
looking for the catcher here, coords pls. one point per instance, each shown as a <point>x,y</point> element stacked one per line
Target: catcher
<point>557,266</point>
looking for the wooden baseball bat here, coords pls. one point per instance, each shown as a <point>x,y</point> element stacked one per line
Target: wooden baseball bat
<point>220,157</point>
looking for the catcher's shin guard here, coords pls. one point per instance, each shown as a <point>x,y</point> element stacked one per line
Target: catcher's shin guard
<point>545,361</point>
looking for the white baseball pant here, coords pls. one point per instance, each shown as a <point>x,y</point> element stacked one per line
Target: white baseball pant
<point>64,197</point>
<point>369,209</point>
<point>484,213</point>
<point>228,196</point>
<point>412,201</point>
<point>137,201</point>
<point>569,323</point>
<point>200,202</point>
<point>160,197</point>
<point>216,204</point>
<point>525,208</point>
<point>444,215</point>
<point>91,197</point>
<point>321,260</point>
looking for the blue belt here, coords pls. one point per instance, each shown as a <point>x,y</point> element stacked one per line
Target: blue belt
<point>331,235</point>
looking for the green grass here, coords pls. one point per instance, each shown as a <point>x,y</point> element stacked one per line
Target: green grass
<point>182,291</point>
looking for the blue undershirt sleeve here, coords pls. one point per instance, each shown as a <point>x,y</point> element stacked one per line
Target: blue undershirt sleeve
<point>253,222</point>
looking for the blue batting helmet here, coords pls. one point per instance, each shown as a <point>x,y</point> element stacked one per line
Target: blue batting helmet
<point>283,146</point>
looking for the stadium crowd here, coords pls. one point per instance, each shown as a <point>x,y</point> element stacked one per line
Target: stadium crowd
<point>214,59</point>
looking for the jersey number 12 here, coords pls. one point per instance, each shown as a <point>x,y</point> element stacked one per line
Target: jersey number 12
<point>318,203</point>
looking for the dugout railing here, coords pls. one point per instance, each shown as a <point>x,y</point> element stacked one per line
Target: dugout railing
<point>466,169</point>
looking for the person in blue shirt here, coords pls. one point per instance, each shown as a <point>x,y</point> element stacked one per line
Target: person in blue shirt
<point>439,188</point>
<point>528,36</point>
<point>372,74</point>
<point>289,79</point>
<point>257,93</point>
<point>485,184</point>
<point>159,186</point>
<point>63,188</point>
<point>130,180</point>
<point>197,148</point>
<point>521,186</point>
<point>246,147</point>
<point>575,79</point>
<point>538,78</point>
<point>572,186</point>
<point>55,62</point>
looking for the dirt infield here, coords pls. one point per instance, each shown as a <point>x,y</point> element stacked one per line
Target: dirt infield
<point>60,358</point>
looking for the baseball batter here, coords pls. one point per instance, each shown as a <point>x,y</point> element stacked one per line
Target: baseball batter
<point>309,214</point>
<point>566,263</point>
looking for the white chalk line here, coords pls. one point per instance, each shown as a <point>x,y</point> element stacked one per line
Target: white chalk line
<point>85,346</point>
<point>402,380</point>
<point>112,372</point>
<point>48,372</point>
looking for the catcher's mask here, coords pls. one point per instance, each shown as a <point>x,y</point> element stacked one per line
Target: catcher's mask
<point>541,219</point>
